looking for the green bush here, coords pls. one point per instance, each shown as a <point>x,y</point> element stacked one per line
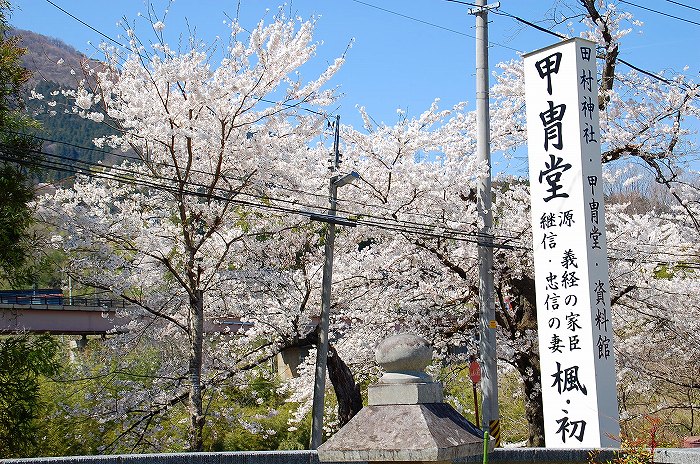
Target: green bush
<point>24,360</point>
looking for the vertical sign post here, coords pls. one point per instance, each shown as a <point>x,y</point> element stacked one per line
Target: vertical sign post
<point>475,375</point>
<point>568,229</point>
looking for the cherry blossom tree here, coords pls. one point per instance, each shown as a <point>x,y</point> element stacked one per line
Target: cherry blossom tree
<point>647,122</point>
<point>193,229</point>
<point>413,257</point>
<point>169,228</point>
<point>418,273</point>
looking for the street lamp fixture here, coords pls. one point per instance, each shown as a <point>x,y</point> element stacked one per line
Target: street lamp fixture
<point>346,179</point>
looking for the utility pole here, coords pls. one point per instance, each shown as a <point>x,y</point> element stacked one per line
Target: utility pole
<point>487,308</point>
<point>322,347</point>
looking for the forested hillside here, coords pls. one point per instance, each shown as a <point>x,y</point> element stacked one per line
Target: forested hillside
<point>44,55</point>
<point>57,66</point>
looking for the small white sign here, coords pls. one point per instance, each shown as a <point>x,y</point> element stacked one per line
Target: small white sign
<point>568,229</point>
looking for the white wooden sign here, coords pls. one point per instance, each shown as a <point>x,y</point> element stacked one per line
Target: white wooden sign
<point>568,229</point>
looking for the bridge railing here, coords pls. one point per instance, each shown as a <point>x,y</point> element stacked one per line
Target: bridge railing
<point>97,302</point>
<point>58,299</point>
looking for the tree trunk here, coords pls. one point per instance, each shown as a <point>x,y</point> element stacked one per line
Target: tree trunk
<point>528,365</point>
<point>610,55</point>
<point>196,410</point>
<point>528,362</point>
<point>347,392</point>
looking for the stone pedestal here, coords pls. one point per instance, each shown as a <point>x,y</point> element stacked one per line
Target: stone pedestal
<point>408,393</point>
<point>406,419</point>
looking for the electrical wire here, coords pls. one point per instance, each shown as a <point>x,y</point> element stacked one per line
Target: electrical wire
<point>646,73</point>
<point>414,229</point>
<point>122,174</point>
<point>627,63</point>
<point>67,167</point>
<point>425,230</point>
<point>294,105</point>
<point>531,24</point>
<point>684,5</point>
<point>660,12</point>
<point>136,159</point>
<point>86,24</point>
<point>348,201</point>
<point>90,165</point>
<point>401,15</point>
<point>396,13</point>
<point>474,5</point>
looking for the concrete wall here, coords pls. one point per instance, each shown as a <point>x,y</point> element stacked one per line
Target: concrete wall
<point>678,455</point>
<point>514,455</point>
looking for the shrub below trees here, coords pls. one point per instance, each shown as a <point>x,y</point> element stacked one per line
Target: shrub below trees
<point>24,360</point>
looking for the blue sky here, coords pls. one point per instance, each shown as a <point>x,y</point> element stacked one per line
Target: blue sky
<point>395,62</point>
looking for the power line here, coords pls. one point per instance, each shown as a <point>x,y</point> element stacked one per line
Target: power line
<point>127,174</point>
<point>298,105</point>
<point>286,105</point>
<point>528,23</point>
<point>89,165</point>
<point>437,232</point>
<point>86,24</point>
<point>684,5</point>
<point>136,159</point>
<point>119,173</point>
<point>73,145</point>
<point>661,12</point>
<point>67,167</point>
<point>563,37</point>
<point>465,3</point>
<point>396,13</point>
<point>647,73</point>
<point>406,227</point>
<point>433,231</point>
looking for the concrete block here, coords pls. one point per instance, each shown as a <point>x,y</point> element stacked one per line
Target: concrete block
<point>677,455</point>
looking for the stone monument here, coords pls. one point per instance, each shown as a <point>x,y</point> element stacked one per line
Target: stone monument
<point>406,419</point>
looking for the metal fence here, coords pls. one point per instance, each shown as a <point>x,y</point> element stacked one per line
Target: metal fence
<point>54,297</point>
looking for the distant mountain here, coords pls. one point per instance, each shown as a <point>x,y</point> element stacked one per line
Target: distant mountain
<point>54,66</point>
<point>50,59</point>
